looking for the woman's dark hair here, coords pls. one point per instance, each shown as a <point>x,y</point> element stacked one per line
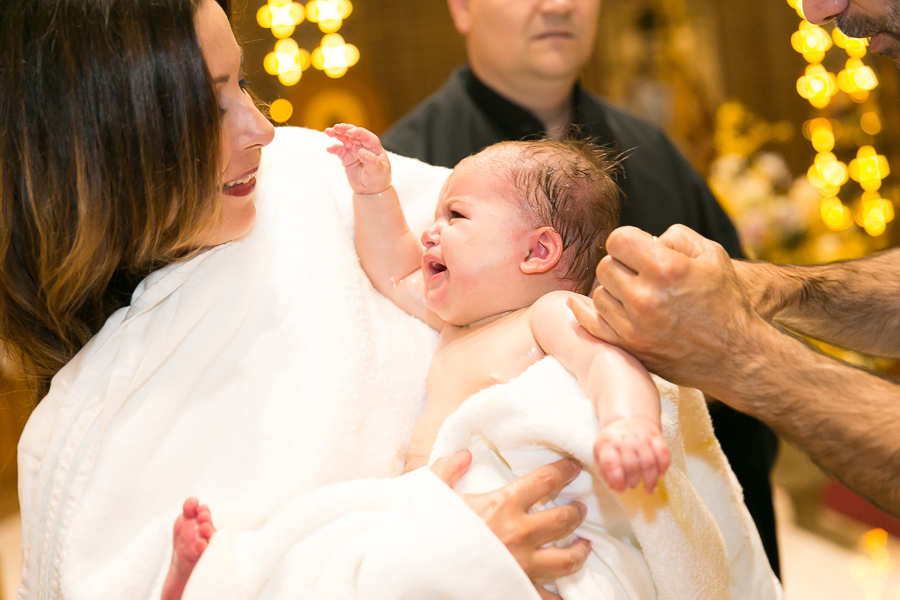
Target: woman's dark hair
<point>109,164</point>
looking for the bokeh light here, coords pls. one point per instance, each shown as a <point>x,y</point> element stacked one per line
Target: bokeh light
<point>281,16</point>
<point>329,14</point>
<point>281,110</point>
<point>334,56</point>
<point>287,61</point>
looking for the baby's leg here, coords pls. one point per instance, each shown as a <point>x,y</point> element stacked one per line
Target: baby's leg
<point>193,530</point>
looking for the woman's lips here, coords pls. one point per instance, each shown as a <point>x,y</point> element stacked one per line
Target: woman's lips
<point>242,186</point>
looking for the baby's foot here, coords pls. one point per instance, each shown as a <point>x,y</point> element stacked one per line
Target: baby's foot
<point>193,530</point>
<point>630,449</point>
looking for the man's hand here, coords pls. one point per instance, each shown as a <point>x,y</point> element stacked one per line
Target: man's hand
<point>505,511</point>
<point>364,159</point>
<point>675,303</point>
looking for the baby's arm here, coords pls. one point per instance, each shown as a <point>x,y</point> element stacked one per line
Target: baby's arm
<point>389,252</point>
<point>629,445</point>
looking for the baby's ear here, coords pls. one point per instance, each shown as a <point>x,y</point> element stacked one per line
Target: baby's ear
<point>544,251</point>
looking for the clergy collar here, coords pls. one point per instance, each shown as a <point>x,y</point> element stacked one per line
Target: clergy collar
<point>513,121</point>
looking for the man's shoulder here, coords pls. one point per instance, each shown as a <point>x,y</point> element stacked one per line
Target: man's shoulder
<point>628,130</point>
<point>446,108</point>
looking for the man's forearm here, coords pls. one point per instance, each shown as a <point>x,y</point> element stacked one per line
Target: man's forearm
<point>847,419</point>
<point>853,304</point>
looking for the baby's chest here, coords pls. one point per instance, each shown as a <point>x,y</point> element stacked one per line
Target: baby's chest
<point>471,363</point>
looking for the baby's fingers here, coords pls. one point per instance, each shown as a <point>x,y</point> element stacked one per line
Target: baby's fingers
<point>631,464</point>
<point>663,457</point>
<point>649,466</point>
<point>610,463</point>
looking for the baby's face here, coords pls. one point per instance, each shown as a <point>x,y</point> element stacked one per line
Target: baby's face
<point>475,246</point>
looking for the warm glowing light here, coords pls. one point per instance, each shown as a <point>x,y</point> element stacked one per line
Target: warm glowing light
<point>287,61</point>
<point>870,123</point>
<point>811,41</point>
<point>827,174</point>
<point>821,135</point>
<point>857,79</point>
<point>334,56</point>
<point>873,215</point>
<point>869,168</point>
<point>281,110</point>
<point>817,86</point>
<point>835,215</point>
<point>798,6</point>
<point>281,16</point>
<point>329,14</point>
<point>855,47</point>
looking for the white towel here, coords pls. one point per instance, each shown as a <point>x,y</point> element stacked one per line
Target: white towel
<point>696,535</point>
<point>255,377</point>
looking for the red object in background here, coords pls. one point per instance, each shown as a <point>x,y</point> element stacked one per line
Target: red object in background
<point>840,499</point>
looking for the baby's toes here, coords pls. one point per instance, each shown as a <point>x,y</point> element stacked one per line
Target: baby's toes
<point>189,509</point>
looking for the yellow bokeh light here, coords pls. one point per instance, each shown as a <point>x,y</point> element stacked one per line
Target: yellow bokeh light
<point>329,14</point>
<point>869,168</point>
<point>817,86</point>
<point>798,6</point>
<point>281,16</point>
<point>811,41</point>
<point>870,123</point>
<point>857,79</point>
<point>821,134</point>
<point>281,110</point>
<point>334,56</point>
<point>855,47</point>
<point>835,215</point>
<point>287,61</point>
<point>827,174</point>
<point>873,215</point>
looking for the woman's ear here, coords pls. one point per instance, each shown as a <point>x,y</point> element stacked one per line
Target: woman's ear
<point>544,251</point>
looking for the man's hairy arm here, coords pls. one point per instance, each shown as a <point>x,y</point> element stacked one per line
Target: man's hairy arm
<point>847,419</point>
<point>679,306</point>
<point>853,304</point>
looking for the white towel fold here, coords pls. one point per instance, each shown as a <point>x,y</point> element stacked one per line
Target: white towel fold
<point>695,533</point>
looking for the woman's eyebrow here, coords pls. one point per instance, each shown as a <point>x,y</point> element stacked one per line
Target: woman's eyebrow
<point>224,78</point>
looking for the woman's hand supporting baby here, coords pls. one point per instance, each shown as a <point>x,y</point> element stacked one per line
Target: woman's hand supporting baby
<point>527,534</point>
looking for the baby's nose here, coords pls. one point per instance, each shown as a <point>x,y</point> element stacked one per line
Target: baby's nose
<point>430,237</point>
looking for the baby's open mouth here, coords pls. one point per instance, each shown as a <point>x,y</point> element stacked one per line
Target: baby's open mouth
<point>432,267</point>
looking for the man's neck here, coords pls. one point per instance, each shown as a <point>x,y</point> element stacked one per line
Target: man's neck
<point>550,100</point>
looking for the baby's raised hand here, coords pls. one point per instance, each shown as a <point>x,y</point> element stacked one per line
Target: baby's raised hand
<point>629,449</point>
<point>364,159</point>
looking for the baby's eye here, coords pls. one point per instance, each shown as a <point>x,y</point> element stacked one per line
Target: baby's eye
<point>456,215</point>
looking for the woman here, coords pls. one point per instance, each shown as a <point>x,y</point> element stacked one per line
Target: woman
<point>130,147</point>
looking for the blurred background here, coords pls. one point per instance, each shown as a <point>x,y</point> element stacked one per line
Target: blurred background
<point>795,127</point>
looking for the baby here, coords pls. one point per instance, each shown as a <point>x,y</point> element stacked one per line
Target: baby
<point>517,235</point>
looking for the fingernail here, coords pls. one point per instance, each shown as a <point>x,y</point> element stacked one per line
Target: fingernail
<point>582,509</point>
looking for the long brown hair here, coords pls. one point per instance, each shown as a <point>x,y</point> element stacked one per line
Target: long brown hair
<point>109,164</point>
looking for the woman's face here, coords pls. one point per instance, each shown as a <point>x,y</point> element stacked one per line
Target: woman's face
<point>244,129</point>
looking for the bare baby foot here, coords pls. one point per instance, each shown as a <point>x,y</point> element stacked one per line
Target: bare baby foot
<point>193,530</point>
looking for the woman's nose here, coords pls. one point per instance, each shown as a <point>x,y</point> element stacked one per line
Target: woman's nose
<point>258,131</point>
<point>820,11</point>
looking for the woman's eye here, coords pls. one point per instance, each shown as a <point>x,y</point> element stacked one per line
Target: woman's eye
<point>245,85</point>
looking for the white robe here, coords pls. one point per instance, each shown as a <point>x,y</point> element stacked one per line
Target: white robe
<point>258,377</point>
